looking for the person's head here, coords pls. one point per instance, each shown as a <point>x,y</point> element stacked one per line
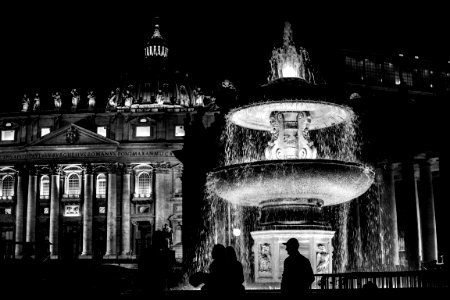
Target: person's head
<point>291,245</point>
<point>231,253</point>
<point>218,251</point>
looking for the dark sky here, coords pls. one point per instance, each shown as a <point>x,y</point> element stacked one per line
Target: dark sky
<point>90,45</point>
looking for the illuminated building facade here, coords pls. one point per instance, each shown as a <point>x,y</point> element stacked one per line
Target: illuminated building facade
<point>82,181</point>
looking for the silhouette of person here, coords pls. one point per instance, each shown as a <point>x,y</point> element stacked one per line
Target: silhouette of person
<point>370,285</point>
<point>154,268</point>
<point>216,281</point>
<point>298,274</point>
<point>235,273</point>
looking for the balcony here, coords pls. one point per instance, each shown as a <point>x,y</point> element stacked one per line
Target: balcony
<point>142,198</point>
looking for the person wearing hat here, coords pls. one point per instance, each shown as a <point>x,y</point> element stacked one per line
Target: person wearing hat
<point>297,274</point>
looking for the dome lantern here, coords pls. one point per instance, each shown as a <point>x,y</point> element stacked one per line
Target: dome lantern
<point>156,45</point>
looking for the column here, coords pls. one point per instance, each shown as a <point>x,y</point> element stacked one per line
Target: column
<point>87,211</point>
<point>411,207</point>
<point>31,207</point>
<point>126,219</point>
<point>20,211</point>
<point>163,182</point>
<point>392,213</point>
<point>111,222</point>
<point>54,213</point>
<point>427,213</point>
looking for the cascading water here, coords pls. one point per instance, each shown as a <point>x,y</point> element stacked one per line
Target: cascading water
<point>290,169</point>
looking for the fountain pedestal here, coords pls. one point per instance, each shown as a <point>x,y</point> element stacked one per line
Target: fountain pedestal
<point>270,253</point>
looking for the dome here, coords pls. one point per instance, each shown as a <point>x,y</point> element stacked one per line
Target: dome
<point>156,46</point>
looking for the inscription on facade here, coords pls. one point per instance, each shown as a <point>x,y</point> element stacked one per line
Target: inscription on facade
<point>83,154</point>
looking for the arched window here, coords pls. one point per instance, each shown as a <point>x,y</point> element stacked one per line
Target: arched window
<point>144,184</point>
<point>101,186</point>
<point>7,186</point>
<point>73,184</point>
<point>45,187</point>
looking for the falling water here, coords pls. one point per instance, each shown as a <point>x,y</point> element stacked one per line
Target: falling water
<point>340,142</point>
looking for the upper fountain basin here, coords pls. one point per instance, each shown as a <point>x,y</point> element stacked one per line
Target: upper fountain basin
<point>331,181</point>
<point>257,116</point>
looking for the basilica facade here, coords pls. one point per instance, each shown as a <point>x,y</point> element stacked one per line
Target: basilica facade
<point>97,182</point>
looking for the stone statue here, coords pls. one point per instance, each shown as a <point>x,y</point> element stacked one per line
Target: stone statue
<point>112,100</point>
<point>159,98</point>
<point>323,259</point>
<point>128,97</point>
<point>75,99</point>
<point>91,100</point>
<point>198,97</point>
<point>36,102</point>
<point>25,103</point>
<point>57,100</point>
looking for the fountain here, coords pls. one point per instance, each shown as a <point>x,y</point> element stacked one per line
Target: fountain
<point>291,181</point>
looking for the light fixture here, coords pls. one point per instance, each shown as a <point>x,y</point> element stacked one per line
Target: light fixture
<point>236,232</point>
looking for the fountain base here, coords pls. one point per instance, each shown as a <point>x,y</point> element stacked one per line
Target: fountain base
<point>270,253</point>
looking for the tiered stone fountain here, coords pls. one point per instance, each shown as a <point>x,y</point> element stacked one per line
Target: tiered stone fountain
<point>293,184</point>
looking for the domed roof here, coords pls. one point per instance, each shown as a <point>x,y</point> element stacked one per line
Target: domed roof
<point>156,46</point>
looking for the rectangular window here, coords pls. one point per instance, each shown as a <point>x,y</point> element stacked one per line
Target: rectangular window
<point>44,131</point>
<point>179,130</point>
<point>407,78</point>
<point>373,71</point>
<point>389,73</point>
<point>101,130</point>
<point>354,68</point>
<point>102,210</point>
<point>8,135</point>
<point>143,131</point>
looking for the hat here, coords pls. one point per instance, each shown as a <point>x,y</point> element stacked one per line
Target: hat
<point>292,242</point>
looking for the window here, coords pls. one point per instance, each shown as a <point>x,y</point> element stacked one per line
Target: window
<point>142,131</point>
<point>73,184</point>
<point>101,186</point>
<point>179,130</point>
<point>7,186</point>
<point>390,73</point>
<point>8,135</point>
<point>144,184</point>
<point>354,68</point>
<point>373,71</point>
<point>101,130</point>
<point>44,131</point>
<point>407,78</point>
<point>45,187</point>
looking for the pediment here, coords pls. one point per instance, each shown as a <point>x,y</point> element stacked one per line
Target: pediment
<point>73,135</point>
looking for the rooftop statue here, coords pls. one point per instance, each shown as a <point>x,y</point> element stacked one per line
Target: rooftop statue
<point>57,100</point>
<point>75,99</point>
<point>25,103</point>
<point>112,100</point>
<point>91,100</point>
<point>36,102</point>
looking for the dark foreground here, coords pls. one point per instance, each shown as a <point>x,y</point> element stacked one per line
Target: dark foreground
<point>82,280</point>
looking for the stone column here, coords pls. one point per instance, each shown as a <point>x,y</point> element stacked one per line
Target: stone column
<point>126,219</point>
<point>411,207</point>
<point>389,178</point>
<point>111,222</point>
<point>87,212</point>
<point>31,207</point>
<point>54,213</point>
<point>427,214</point>
<point>20,211</point>
<point>163,187</point>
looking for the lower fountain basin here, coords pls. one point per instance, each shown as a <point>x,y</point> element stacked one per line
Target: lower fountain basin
<point>331,181</point>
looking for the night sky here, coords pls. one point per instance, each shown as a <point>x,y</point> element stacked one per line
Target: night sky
<point>90,46</point>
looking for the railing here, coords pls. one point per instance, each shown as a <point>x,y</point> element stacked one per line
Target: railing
<point>404,279</point>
